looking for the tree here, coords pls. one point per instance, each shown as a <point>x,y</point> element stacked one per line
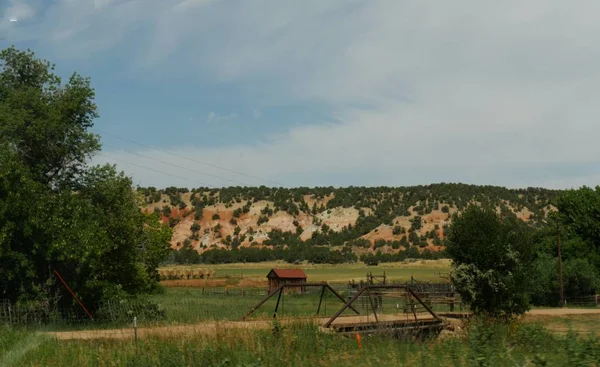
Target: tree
<point>416,223</point>
<point>195,227</point>
<point>580,279</point>
<point>56,213</point>
<point>44,121</point>
<point>579,216</point>
<point>492,255</point>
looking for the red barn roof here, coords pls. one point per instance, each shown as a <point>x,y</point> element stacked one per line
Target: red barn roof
<point>287,274</point>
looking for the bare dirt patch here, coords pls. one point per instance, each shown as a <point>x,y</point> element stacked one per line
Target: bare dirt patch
<point>563,311</point>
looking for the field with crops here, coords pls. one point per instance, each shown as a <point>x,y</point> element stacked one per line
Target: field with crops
<point>421,270</point>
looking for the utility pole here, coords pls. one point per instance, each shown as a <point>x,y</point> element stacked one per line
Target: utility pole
<point>560,273</point>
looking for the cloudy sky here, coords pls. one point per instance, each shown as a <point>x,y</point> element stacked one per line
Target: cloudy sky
<point>326,92</point>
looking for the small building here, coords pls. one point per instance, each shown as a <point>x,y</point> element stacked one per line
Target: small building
<point>278,277</point>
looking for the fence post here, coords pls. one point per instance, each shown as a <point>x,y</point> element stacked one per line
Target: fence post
<point>135,336</point>
<point>9,315</point>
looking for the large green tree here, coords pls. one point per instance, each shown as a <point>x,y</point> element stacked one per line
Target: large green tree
<point>56,212</point>
<point>491,257</point>
<point>578,223</point>
<point>579,218</point>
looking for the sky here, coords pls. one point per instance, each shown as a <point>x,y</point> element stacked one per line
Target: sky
<point>332,93</point>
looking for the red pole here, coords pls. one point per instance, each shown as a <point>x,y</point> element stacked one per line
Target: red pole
<point>73,294</point>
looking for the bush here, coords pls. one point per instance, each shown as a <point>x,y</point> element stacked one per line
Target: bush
<point>195,227</point>
<point>262,219</point>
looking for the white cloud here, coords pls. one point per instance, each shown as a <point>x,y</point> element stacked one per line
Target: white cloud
<point>256,113</point>
<point>20,10</point>
<point>500,93</point>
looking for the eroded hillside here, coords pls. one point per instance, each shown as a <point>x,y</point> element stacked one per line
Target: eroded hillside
<point>359,219</point>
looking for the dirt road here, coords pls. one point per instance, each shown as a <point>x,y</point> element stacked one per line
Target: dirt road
<point>212,327</point>
<point>563,311</point>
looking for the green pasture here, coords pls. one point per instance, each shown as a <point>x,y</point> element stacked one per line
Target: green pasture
<point>190,305</point>
<point>421,270</point>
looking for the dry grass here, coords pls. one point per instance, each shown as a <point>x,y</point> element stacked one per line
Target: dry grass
<point>184,272</point>
<point>583,324</point>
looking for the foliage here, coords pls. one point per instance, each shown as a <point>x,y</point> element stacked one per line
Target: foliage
<point>579,215</point>
<point>576,222</point>
<point>185,255</point>
<point>492,255</point>
<point>580,279</point>
<point>56,213</point>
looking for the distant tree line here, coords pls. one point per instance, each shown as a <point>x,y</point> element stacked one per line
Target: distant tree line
<point>316,255</point>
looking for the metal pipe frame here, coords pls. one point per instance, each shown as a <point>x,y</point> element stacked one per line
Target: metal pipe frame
<point>280,289</point>
<point>369,287</point>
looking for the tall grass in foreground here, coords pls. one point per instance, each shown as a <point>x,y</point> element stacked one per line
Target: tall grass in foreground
<point>483,344</point>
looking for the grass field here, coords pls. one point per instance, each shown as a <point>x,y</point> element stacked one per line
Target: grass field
<point>421,270</point>
<point>481,344</point>
<point>540,339</point>
<point>581,324</point>
<point>188,305</point>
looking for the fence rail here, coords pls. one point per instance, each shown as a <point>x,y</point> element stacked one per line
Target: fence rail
<point>212,304</point>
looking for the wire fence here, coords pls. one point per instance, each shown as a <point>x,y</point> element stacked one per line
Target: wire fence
<point>587,301</point>
<point>185,310</point>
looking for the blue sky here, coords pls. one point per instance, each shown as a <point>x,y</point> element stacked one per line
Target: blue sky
<point>304,93</point>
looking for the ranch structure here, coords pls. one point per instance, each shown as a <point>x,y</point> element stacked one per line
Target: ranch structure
<point>278,277</point>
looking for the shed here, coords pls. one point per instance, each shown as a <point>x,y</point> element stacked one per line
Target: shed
<point>278,277</point>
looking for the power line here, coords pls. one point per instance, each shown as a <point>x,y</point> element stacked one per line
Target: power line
<point>153,170</point>
<point>190,159</point>
<point>178,166</point>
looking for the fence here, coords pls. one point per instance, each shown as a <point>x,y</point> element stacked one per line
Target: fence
<point>179,306</point>
<point>588,301</point>
<point>195,306</point>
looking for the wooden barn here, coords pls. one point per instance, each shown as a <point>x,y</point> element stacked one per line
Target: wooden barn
<point>278,277</point>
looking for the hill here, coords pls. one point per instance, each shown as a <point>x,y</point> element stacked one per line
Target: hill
<point>359,220</point>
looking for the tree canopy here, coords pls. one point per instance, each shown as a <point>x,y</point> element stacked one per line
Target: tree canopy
<point>56,212</point>
<point>492,255</point>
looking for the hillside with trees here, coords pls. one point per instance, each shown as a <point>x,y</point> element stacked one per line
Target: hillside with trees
<point>327,224</point>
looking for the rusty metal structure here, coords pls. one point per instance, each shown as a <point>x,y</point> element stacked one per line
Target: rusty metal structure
<point>281,291</point>
<point>410,312</point>
<point>369,288</point>
<point>430,323</point>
